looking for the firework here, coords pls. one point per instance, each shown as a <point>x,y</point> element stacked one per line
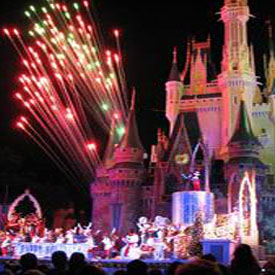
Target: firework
<point>69,80</point>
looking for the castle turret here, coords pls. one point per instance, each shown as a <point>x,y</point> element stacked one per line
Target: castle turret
<point>198,72</point>
<point>238,72</point>
<point>272,103</point>
<point>269,66</point>
<point>246,176</point>
<point>174,88</point>
<point>270,75</point>
<point>100,188</point>
<point>243,157</point>
<point>126,176</point>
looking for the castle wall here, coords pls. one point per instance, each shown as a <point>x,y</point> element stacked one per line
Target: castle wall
<point>264,129</point>
<point>101,197</point>
<point>209,114</point>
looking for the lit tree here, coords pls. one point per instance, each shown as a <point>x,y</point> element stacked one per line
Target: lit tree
<point>195,247</point>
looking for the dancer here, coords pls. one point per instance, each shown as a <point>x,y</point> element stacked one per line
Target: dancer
<point>131,250</point>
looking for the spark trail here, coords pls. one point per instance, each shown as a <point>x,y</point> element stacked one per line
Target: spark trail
<point>69,80</point>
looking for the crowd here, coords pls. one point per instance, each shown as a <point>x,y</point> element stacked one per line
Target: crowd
<point>243,263</point>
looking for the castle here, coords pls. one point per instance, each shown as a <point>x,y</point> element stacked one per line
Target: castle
<point>221,126</point>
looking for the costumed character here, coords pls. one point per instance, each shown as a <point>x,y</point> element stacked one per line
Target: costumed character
<point>40,228</point>
<point>108,245</point>
<point>6,246</point>
<point>12,224</point>
<point>60,239</point>
<point>35,239</point>
<point>144,226</point>
<point>196,181</point>
<point>131,250</point>
<point>116,243</point>
<point>172,233</point>
<point>69,237</point>
<point>79,234</point>
<point>160,241</point>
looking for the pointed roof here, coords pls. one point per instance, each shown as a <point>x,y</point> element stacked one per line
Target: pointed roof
<point>174,73</point>
<point>112,141</point>
<point>271,39</point>
<point>131,137</point>
<point>243,131</point>
<point>179,143</point>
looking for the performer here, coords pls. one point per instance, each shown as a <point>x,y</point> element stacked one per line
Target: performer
<point>144,227</point>
<point>160,245</point>
<point>107,245</point>
<point>69,237</point>
<point>131,250</point>
<point>6,246</point>
<point>196,181</point>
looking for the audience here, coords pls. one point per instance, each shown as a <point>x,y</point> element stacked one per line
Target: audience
<point>76,263</point>
<point>120,272</point>
<point>91,270</point>
<point>210,257</point>
<point>60,263</point>
<point>173,267</point>
<point>199,267</point>
<point>155,272</point>
<point>28,262</point>
<point>137,267</point>
<point>269,268</point>
<point>244,262</point>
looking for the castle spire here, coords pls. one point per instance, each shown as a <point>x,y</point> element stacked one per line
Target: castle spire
<point>271,39</point>
<point>235,2</point>
<point>174,73</point>
<point>243,131</point>
<point>235,14</point>
<point>131,137</point>
<point>179,142</point>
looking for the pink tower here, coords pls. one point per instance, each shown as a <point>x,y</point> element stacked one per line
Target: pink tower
<point>238,74</point>
<point>121,182</point>
<point>174,89</point>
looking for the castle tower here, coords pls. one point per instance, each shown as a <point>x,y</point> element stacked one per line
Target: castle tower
<point>270,75</point>
<point>243,157</point>
<point>100,189</point>
<point>173,161</point>
<point>237,74</point>
<point>270,65</point>
<point>126,177</point>
<point>198,73</point>
<point>174,89</point>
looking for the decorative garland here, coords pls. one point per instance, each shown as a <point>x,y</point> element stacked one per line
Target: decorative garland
<point>21,198</point>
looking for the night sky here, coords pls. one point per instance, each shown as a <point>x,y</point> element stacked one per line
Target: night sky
<point>150,30</point>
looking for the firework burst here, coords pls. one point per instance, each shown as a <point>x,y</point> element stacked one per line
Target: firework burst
<point>69,80</point>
